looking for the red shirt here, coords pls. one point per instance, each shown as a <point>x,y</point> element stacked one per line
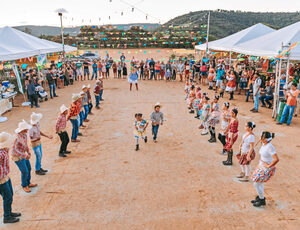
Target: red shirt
<point>61,123</point>
<point>4,163</point>
<point>20,146</point>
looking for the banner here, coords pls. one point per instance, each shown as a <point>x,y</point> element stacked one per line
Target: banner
<point>42,59</point>
<point>15,69</point>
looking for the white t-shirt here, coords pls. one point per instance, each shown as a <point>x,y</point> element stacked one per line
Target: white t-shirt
<point>246,143</point>
<point>266,153</point>
<point>256,85</point>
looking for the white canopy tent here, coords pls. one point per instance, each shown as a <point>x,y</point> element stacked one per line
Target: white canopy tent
<point>15,44</point>
<point>270,44</point>
<point>230,42</point>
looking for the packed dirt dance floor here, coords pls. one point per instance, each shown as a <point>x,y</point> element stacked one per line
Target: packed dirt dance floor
<point>177,183</point>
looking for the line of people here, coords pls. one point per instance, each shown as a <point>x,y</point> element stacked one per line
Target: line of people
<point>210,115</point>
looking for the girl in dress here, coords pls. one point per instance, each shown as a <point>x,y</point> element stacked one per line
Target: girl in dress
<point>231,86</point>
<point>231,136</point>
<point>214,119</point>
<point>192,97</point>
<point>124,71</point>
<point>211,76</point>
<point>197,101</point>
<point>133,78</point>
<point>204,115</point>
<point>226,117</point>
<point>266,167</point>
<point>140,126</point>
<point>162,70</point>
<point>186,70</point>
<point>246,153</point>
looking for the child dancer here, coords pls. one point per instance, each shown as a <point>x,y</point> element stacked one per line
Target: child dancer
<point>266,167</point>
<point>246,153</point>
<point>140,125</point>
<point>197,101</point>
<point>213,119</point>
<point>60,129</point>
<point>226,117</point>
<point>157,119</point>
<point>192,97</point>
<point>231,136</point>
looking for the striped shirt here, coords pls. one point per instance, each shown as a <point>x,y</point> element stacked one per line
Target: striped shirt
<point>4,164</point>
<point>61,123</point>
<point>20,146</point>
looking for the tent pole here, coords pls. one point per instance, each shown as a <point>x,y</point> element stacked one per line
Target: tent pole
<point>207,34</point>
<point>276,92</point>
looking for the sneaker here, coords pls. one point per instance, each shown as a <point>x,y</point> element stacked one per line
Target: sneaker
<point>11,220</point>
<point>256,199</point>
<point>260,202</point>
<point>40,172</point>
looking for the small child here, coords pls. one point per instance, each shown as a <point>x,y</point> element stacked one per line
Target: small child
<point>140,126</point>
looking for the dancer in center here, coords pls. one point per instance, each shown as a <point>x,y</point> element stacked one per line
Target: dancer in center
<point>231,136</point>
<point>133,78</point>
<point>140,126</point>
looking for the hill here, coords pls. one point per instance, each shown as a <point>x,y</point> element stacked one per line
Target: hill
<point>224,23</point>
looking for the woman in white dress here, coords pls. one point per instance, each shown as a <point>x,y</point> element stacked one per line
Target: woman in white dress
<point>266,167</point>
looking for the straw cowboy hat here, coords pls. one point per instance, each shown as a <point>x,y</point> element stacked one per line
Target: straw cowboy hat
<point>84,87</point>
<point>6,140</point>
<point>157,105</point>
<point>75,97</point>
<point>23,125</point>
<point>35,118</point>
<point>88,86</point>
<point>63,108</point>
<point>82,93</point>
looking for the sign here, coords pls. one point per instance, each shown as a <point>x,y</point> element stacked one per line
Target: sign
<point>16,72</point>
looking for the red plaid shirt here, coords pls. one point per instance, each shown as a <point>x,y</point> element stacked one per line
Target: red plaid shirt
<point>61,123</point>
<point>4,163</point>
<point>20,146</point>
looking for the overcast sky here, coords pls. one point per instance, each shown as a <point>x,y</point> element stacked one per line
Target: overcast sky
<point>88,12</point>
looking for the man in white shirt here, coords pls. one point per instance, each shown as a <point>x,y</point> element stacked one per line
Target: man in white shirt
<point>256,91</point>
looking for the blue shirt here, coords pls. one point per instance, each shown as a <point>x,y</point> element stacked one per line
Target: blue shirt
<point>95,66</point>
<point>281,85</point>
<point>220,74</point>
<point>134,76</point>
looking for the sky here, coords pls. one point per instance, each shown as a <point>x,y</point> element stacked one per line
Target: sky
<point>99,12</point>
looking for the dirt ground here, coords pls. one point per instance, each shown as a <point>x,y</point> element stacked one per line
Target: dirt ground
<point>177,183</point>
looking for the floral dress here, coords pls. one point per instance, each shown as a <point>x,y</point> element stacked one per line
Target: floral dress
<point>204,112</point>
<point>226,116</point>
<point>232,134</point>
<point>140,128</point>
<point>214,118</point>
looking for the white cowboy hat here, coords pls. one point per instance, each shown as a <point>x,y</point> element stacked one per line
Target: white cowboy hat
<point>88,86</point>
<point>23,125</point>
<point>84,87</point>
<point>75,97</point>
<point>6,140</point>
<point>157,105</point>
<point>35,118</point>
<point>82,93</point>
<point>63,108</point>
<point>98,82</point>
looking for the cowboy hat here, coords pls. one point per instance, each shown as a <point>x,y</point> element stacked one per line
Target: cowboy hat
<point>84,87</point>
<point>157,105</point>
<point>75,97</point>
<point>82,93</point>
<point>98,82</point>
<point>6,140</point>
<point>88,86</point>
<point>35,118</point>
<point>23,125</point>
<point>63,108</point>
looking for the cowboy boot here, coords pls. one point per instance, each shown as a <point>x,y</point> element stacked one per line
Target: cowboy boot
<point>229,160</point>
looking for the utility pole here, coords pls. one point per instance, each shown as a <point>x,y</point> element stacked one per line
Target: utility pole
<point>207,34</point>
<point>62,35</point>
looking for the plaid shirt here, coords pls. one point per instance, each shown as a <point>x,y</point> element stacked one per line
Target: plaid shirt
<point>20,146</point>
<point>61,123</point>
<point>74,110</point>
<point>4,163</point>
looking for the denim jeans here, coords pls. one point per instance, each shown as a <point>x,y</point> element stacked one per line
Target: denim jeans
<point>81,116</point>
<point>287,109</point>
<point>75,75</point>
<point>248,95</point>
<point>52,90</point>
<point>86,72</point>
<point>256,101</point>
<point>74,129</point>
<point>86,112</point>
<point>155,131</point>
<point>100,94</point>
<point>6,192</point>
<point>25,169</point>
<point>97,98</point>
<point>267,99</point>
<point>38,157</point>
<point>152,74</point>
<point>95,72</point>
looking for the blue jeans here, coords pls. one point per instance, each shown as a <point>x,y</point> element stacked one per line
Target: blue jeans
<point>52,90</point>
<point>267,99</point>
<point>86,72</point>
<point>25,169</point>
<point>155,131</point>
<point>86,112</point>
<point>287,109</point>
<point>6,192</point>
<point>100,94</point>
<point>95,72</point>
<point>38,157</point>
<point>75,75</point>
<point>81,116</point>
<point>248,95</point>
<point>97,98</point>
<point>74,129</point>
<point>256,101</point>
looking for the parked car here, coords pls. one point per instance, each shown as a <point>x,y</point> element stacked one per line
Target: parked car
<point>89,56</point>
